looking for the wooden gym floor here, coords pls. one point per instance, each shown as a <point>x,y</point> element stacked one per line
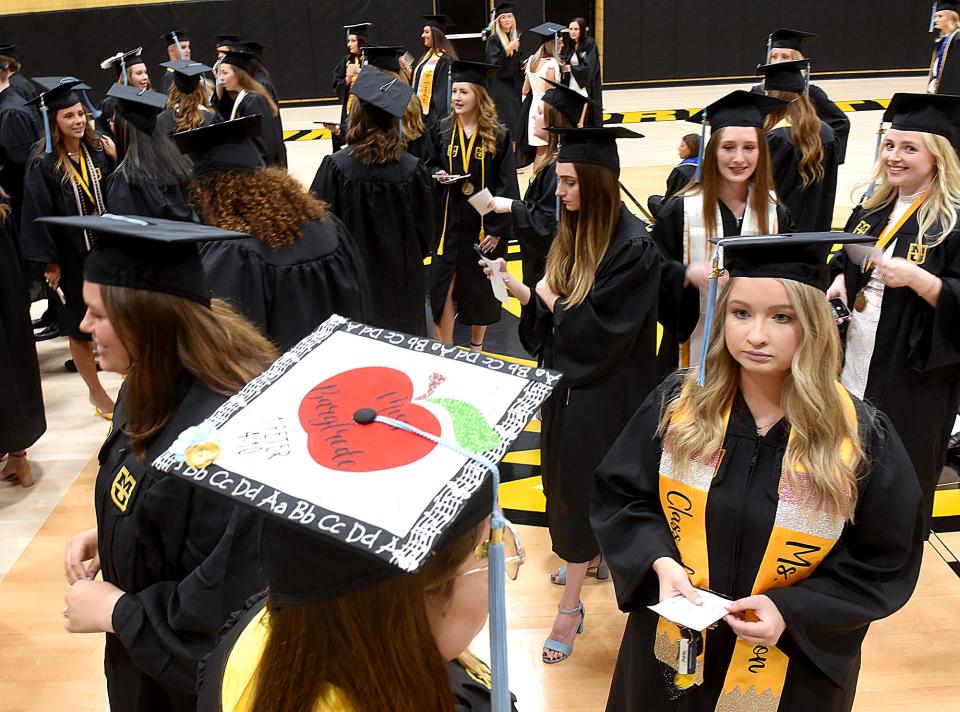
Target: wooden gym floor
<point>907,659</point>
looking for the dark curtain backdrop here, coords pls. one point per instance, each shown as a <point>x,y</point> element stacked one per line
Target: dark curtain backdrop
<point>643,39</point>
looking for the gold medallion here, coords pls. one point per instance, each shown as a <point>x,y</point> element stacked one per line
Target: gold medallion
<point>917,253</point>
<point>202,454</point>
<point>466,188</point>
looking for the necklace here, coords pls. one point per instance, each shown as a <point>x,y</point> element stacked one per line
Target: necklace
<point>761,428</point>
<point>911,198</point>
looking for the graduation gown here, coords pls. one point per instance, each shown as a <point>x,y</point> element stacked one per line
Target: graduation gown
<point>341,87</point>
<point>470,688</point>
<point>388,213</point>
<point>914,372</point>
<point>24,87</point>
<point>587,74</point>
<point>831,114</point>
<point>270,140</point>
<point>439,91</point>
<point>107,109</point>
<point>472,294</point>
<point>506,85</point>
<point>288,291</point>
<point>948,77</point>
<point>167,122</point>
<point>22,419</point>
<point>870,573</point>
<point>19,131</point>
<point>45,195</point>
<point>679,305</point>
<point>535,223</point>
<point>185,557</point>
<point>148,199</point>
<point>605,349</point>
<point>680,176</point>
<point>811,207</point>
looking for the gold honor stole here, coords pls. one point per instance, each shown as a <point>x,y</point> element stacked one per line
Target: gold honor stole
<point>466,152</point>
<point>350,97</point>
<point>800,540</point>
<point>425,90</point>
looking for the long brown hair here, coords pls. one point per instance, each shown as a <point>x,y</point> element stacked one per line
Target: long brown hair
<point>375,647</point>
<point>762,182</point>
<point>168,336</point>
<point>186,107</point>
<point>441,45</point>
<point>413,126</point>
<point>372,135</point>
<point>90,139</point>
<point>583,236</point>
<point>553,119</point>
<point>488,121</point>
<point>246,82</point>
<point>804,132</point>
<point>268,203</point>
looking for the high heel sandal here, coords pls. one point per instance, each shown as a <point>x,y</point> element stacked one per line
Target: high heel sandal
<point>102,414</point>
<point>555,645</point>
<point>22,472</point>
<point>601,572</point>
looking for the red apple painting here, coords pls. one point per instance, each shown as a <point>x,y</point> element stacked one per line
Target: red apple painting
<point>337,442</point>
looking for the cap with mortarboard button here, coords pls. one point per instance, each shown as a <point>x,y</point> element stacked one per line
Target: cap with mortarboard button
<point>385,58</point>
<point>440,22</point>
<point>928,113</point>
<point>254,48</point>
<point>593,145</point>
<point>504,8</point>
<point>785,76</point>
<point>227,39</point>
<point>789,39</point>
<point>567,101</point>
<point>138,106</point>
<point>175,37</point>
<point>122,61</point>
<point>186,74</point>
<point>239,58</point>
<point>548,30</point>
<point>226,146</point>
<point>382,91</point>
<point>359,29</point>
<point>472,72</point>
<point>61,95</point>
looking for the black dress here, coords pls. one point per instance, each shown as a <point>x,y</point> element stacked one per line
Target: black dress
<point>811,207</point>
<point>47,195</point>
<point>869,574</point>
<point>679,306</point>
<point>167,122</point>
<point>19,131</point>
<point>587,74</point>
<point>388,213</point>
<point>133,197</point>
<point>22,420</point>
<point>506,85</point>
<point>270,140</point>
<point>439,98</point>
<point>288,291</point>
<point>605,349</point>
<point>186,559</point>
<point>458,226</point>
<point>914,371</point>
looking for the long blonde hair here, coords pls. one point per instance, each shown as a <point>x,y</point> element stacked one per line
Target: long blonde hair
<point>488,121</point>
<point>954,23</point>
<point>937,215</point>
<point>812,405</point>
<point>494,28</point>
<point>804,132</point>
<point>584,236</point>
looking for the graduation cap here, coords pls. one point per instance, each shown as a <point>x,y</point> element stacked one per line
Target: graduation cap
<point>593,146</point>
<point>947,7</point>
<point>472,72</point>
<point>186,73</point>
<point>360,29</point>
<point>504,8</point>
<point>225,146</point>
<point>227,39</point>
<point>548,30</point>
<point>62,94</point>
<point>239,58</point>
<point>138,106</point>
<point>364,454</point>
<point>254,48</point>
<point>385,58</point>
<point>790,76</point>
<point>47,83</point>
<point>175,37</point>
<point>382,91</point>
<point>928,113</point>
<point>788,39</point>
<point>567,101</point>
<point>146,253</point>
<point>8,50</point>
<point>440,22</point>
<point>122,61</point>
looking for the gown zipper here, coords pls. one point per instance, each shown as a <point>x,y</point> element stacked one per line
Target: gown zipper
<point>743,499</point>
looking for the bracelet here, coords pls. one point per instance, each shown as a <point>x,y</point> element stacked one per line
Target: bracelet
<point>930,288</point>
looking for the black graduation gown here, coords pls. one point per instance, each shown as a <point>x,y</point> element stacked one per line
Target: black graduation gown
<point>587,74</point>
<point>472,294</point>
<point>19,131</point>
<point>107,109</point>
<point>679,306</point>
<point>439,92</point>
<point>914,374</point>
<point>167,123</point>
<point>605,349</point>
<point>270,140</point>
<point>46,195</point>
<point>506,85</point>
<point>268,84</point>
<point>811,207</point>
<point>870,573</point>
<point>288,291</point>
<point>22,420</point>
<point>24,87</point>
<point>341,87</point>
<point>388,212</point>
<point>186,558</point>
<point>150,200</point>
<point>535,223</point>
<point>418,146</point>
<point>679,177</point>
<point>831,114</point>
<point>950,71</point>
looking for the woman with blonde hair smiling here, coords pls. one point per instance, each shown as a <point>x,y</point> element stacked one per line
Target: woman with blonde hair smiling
<point>766,491</point>
<point>902,348</point>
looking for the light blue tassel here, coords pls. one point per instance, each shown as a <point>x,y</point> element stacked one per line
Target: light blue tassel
<point>698,176</point>
<point>45,112</point>
<point>123,72</point>
<point>94,111</point>
<point>176,41</point>
<point>933,15</point>
<point>708,319</point>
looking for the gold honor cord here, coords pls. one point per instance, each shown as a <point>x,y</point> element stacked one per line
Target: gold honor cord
<point>891,231</point>
<point>350,97</point>
<point>82,176</point>
<point>466,150</point>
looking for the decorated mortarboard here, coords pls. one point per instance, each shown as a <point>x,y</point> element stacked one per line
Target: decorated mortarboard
<point>225,146</point>
<point>122,61</point>
<point>382,91</point>
<point>61,95</point>
<point>786,76</point>
<point>441,22</point>
<point>928,113</point>
<point>789,39</point>
<point>146,253</point>
<point>567,101</point>
<point>186,73</point>
<point>239,58</point>
<point>364,451</point>
<point>138,106</point>
<point>504,8</point>
<point>548,30</point>
<point>472,72</point>
<point>593,146</point>
<point>385,58</point>
<point>175,37</point>
<point>360,29</point>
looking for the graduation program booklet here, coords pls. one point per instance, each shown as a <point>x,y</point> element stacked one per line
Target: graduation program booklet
<point>481,201</point>
<point>681,611</point>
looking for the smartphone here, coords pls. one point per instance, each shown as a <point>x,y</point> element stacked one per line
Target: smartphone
<point>479,251</point>
<point>840,310</point>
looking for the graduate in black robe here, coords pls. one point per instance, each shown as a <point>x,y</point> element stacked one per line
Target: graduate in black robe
<point>130,70</point>
<point>20,84</point>
<point>503,51</point>
<point>301,265</point>
<point>811,205</point>
<point>387,207</point>
<point>175,560</point>
<point>19,131</point>
<point>345,74</point>
<point>242,95</point>
<point>580,67</point>
<point>187,98</point>
<point>431,77</point>
<point>459,226</point>
<point>944,74</point>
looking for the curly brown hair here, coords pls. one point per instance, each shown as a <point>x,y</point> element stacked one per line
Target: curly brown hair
<point>268,203</point>
<point>186,107</point>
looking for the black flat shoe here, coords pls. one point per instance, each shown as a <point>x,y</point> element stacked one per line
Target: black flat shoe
<point>47,333</point>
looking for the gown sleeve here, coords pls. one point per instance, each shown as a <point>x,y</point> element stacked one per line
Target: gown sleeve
<point>625,510</point>
<point>678,304</point>
<point>536,214</point>
<point>340,86</point>
<point>497,55</point>
<point>935,339</point>
<point>36,238</point>
<point>872,570</point>
<point>168,627</point>
<point>676,181</point>
<point>326,183</point>
<point>588,67</point>
<point>237,276</point>
<point>832,116</point>
<point>504,185</point>
<point>424,209</point>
